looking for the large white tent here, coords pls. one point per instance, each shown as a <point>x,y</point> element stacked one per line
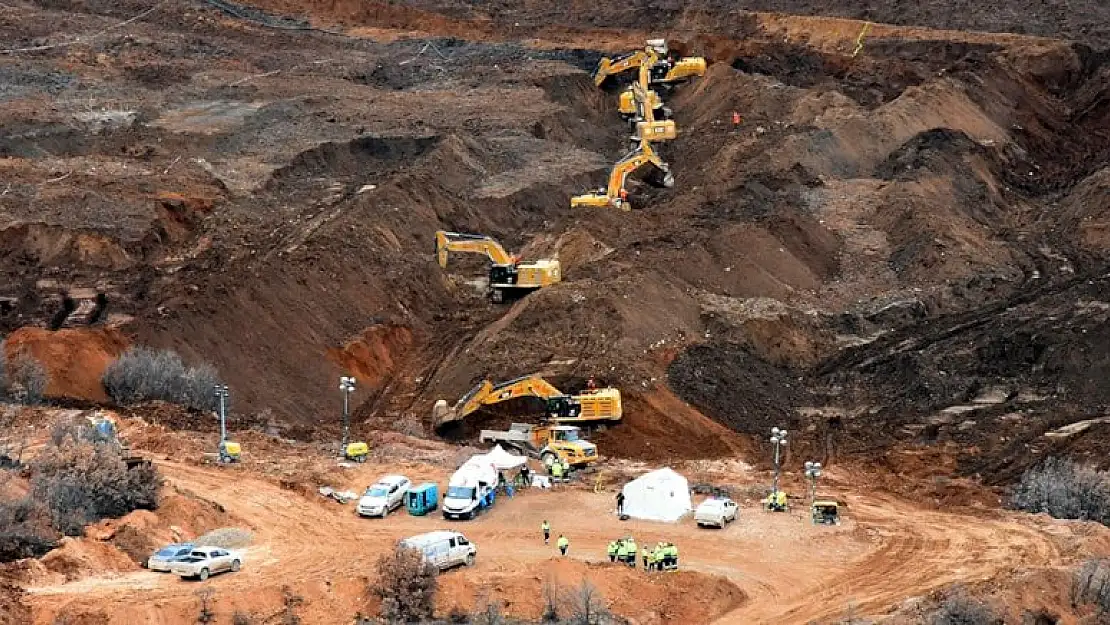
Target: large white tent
<point>661,495</point>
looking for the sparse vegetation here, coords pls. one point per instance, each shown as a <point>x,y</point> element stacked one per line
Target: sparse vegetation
<point>1065,490</point>
<point>206,597</point>
<point>82,482</point>
<point>586,605</point>
<point>1092,585</point>
<point>25,530</point>
<point>960,608</point>
<point>22,380</point>
<point>144,374</point>
<point>406,585</point>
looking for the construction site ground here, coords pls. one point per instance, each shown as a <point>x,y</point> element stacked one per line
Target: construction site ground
<point>898,253</point>
<point>764,568</point>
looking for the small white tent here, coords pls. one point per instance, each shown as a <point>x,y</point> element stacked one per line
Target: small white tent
<point>661,495</point>
<point>504,460</point>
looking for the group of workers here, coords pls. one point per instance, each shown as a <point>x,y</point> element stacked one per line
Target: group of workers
<point>663,557</point>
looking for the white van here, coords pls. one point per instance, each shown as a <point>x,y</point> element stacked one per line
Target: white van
<point>443,549</point>
<point>469,490</point>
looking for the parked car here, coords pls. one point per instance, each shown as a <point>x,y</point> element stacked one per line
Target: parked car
<point>386,495</point>
<point>715,512</point>
<point>444,549</point>
<point>160,560</point>
<point>205,561</point>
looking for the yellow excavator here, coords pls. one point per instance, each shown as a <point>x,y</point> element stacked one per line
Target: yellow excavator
<point>663,70</point>
<point>508,277</point>
<point>614,195</point>
<point>592,406</point>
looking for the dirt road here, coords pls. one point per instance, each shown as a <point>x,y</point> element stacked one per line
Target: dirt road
<point>788,571</point>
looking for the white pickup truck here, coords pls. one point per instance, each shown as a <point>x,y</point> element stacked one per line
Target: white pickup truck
<point>205,561</point>
<point>715,512</point>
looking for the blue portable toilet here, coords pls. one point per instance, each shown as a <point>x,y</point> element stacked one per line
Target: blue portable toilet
<point>422,499</point>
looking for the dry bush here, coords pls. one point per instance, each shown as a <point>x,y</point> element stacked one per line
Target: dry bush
<point>960,608</point>
<point>550,601</point>
<point>242,618</point>
<point>25,530</point>
<point>1092,585</point>
<point>144,374</point>
<point>488,612</point>
<point>76,429</point>
<point>586,605</point>
<point>205,599</point>
<point>1064,490</point>
<point>406,585</point>
<point>84,483</point>
<point>23,380</point>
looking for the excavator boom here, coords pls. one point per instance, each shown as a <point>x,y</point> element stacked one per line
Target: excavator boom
<point>612,196</point>
<point>460,242</point>
<point>600,405</point>
<point>652,59</point>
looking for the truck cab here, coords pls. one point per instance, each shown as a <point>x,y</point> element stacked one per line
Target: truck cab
<point>566,441</point>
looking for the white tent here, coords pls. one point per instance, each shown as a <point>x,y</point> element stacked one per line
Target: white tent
<point>661,495</point>
<point>504,460</point>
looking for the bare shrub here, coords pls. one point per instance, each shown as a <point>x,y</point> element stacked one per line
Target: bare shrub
<point>406,585</point>
<point>22,380</point>
<point>550,601</point>
<point>77,429</point>
<point>1092,585</point>
<point>291,602</point>
<point>586,605</point>
<point>144,374</point>
<point>242,618</point>
<point>1064,490</point>
<point>206,597</point>
<point>1039,617</point>
<point>960,608</point>
<point>24,530</point>
<point>84,483</point>
<point>488,612</point>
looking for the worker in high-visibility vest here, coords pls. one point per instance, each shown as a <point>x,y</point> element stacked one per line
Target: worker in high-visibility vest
<point>612,550</point>
<point>563,544</point>
<point>644,555</point>
<point>630,552</point>
<point>545,527</point>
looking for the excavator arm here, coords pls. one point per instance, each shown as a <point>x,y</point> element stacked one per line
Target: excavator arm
<point>607,67</point>
<point>474,243</point>
<point>632,161</point>
<point>487,393</point>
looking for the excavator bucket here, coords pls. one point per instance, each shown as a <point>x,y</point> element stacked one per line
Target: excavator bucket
<point>603,71</point>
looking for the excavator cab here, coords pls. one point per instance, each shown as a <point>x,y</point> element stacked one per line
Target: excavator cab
<point>563,407</point>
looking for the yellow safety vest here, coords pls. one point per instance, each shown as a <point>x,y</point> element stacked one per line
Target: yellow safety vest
<point>563,542</point>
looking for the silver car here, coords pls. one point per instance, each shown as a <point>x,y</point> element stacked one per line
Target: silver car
<point>160,560</point>
<point>205,561</point>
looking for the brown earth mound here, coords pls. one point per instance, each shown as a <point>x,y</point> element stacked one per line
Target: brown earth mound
<point>74,358</point>
<point>686,595</point>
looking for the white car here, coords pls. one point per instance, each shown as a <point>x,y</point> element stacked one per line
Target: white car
<point>443,549</point>
<point>716,512</point>
<point>206,561</point>
<point>386,495</point>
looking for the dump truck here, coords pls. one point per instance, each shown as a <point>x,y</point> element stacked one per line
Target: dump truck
<point>546,442</point>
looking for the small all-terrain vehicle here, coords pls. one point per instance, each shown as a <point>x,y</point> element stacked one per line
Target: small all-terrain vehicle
<point>826,513</point>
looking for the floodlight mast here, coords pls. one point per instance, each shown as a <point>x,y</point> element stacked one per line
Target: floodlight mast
<point>346,386</point>
<point>778,439</point>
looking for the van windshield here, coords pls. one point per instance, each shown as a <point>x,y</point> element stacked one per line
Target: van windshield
<point>460,492</point>
<point>376,491</point>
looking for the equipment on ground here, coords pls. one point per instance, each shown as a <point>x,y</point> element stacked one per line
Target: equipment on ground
<point>826,512</point>
<point>508,277</point>
<point>356,452</point>
<point>230,451</point>
<point>598,405</point>
<point>105,427</point>
<point>549,443</point>
<point>614,195</point>
<point>422,499</point>
<point>776,501</point>
<point>655,56</point>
